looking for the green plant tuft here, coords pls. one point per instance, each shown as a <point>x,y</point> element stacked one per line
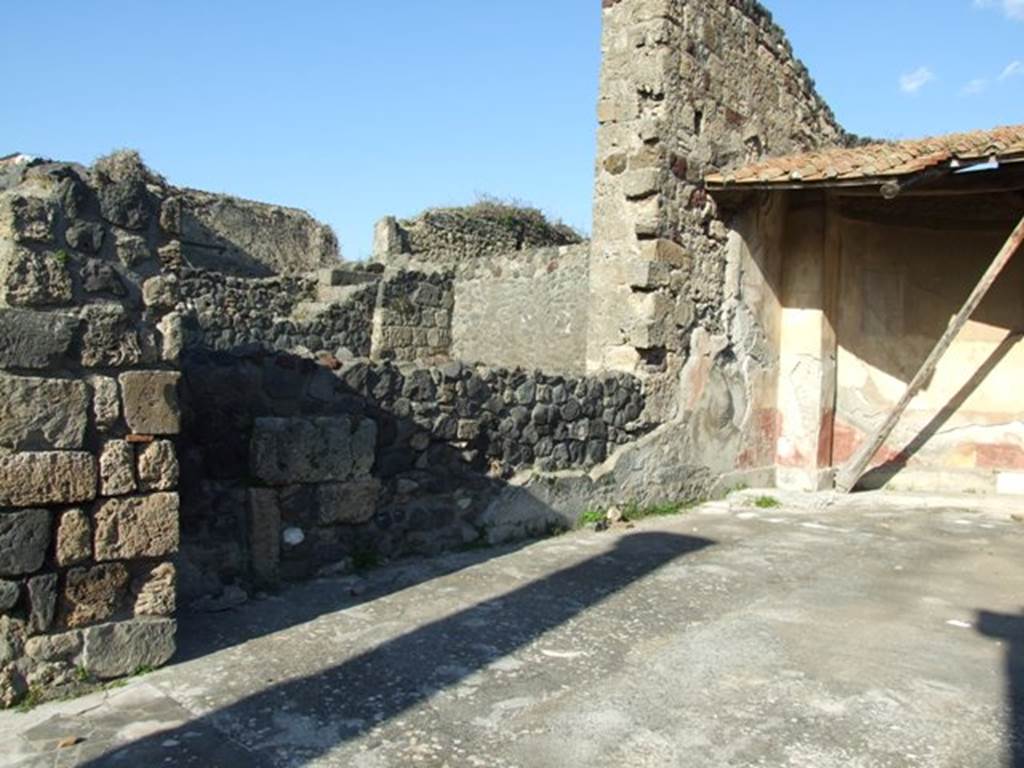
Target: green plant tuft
<point>634,511</point>
<point>590,517</point>
<point>512,215</point>
<point>767,502</point>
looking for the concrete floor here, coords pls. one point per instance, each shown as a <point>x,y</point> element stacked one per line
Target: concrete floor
<point>880,631</point>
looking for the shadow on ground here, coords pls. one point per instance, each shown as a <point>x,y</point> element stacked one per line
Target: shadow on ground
<point>1010,630</point>
<point>346,701</point>
<point>201,632</point>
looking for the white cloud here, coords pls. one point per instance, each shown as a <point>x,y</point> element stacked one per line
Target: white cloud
<point>976,86</point>
<point>1014,9</point>
<point>914,81</point>
<point>1013,69</point>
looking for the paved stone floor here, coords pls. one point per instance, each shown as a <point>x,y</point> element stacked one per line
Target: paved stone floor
<point>881,631</point>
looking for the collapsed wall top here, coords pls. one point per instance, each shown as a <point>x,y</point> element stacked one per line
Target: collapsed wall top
<point>452,235</point>
<point>220,232</point>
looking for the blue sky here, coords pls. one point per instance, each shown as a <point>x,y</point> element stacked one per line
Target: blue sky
<point>353,110</point>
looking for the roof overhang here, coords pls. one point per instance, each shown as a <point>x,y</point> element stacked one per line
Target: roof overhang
<point>959,174</point>
<point>888,166</point>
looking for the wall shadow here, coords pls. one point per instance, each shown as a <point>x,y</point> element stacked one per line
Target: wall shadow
<point>901,282</point>
<point>883,473</point>
<point>224,394</point>
<point>346,701</point>
<point>204,248</point>
<point>1010,630</point>
<point>223,397</point>
<point>435,482</point>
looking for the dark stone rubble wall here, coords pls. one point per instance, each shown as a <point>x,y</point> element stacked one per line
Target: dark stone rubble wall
<point>445,441</point>
<point>414,321</point>
<point>223,312</point>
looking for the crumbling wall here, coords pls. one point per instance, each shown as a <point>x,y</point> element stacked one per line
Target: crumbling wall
<point>677,293</point>
<point>89,347</point>
<point>245,238</point>
<point>343,313</point>
<point>454,235</point>
<point>224,311</point>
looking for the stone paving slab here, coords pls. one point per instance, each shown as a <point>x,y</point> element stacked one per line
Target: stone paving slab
<point>825,633</point>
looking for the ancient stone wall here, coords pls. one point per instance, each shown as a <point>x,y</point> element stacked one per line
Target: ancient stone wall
<point>528,311</point>
<point>329,465</point>
<point>223,312</point>
<point>413,317</point>
<point>686,87</point>
<point>523,308</point>
<point>89,349</point>
<point>678,292</point>
<point>454,235</point>
<point>245,238</point>
<point>226,311</point>
<point>324,423</point>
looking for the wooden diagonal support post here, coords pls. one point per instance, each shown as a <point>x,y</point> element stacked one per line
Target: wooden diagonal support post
<point>850,473</point>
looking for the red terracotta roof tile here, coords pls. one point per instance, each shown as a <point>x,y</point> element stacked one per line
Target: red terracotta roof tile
<point>876,160</point>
